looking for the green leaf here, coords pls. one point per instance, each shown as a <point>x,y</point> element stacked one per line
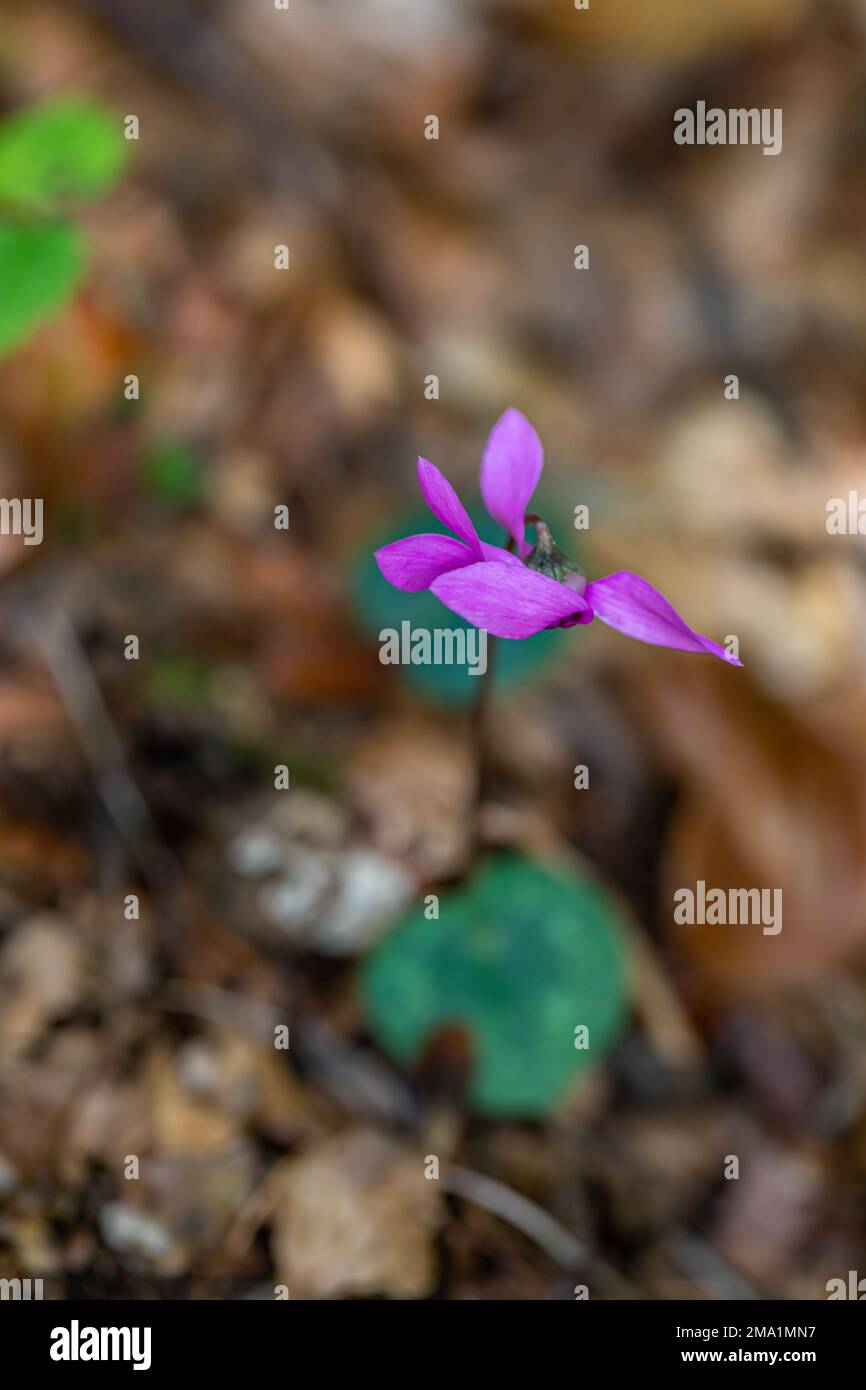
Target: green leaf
<point>173,472</point>
<point>66,148</point>
<point>40,267</point>
<point>521,956</point>
<point>379,605</point>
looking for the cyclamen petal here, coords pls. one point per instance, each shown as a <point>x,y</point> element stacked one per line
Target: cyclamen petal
<point>446,505</point>
<point>492,588</point>
<point>510,468</point>
<point>510,601</point>
<point>496,552</point>
<point>414,562</point>
<point>628,603</point>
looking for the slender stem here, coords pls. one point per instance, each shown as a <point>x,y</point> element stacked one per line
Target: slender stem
<point>479,719</point>
<point>480,714</point>
<point>542,530</point>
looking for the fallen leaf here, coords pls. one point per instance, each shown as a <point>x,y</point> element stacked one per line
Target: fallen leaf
<point>357,1217</point>
<point>41,977</point>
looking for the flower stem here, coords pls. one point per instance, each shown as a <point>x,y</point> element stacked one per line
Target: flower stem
<point>479,721</point>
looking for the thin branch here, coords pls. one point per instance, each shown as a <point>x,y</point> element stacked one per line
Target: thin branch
<point>562,1247</point>
<point>57,642</point>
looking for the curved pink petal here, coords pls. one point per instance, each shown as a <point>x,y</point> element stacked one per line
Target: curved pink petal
<point>510,468</point>
<point>496,552</point>
<point>510,602</point>
<point>446,505</point>
<point>628,603</point>
<point>415,561</point>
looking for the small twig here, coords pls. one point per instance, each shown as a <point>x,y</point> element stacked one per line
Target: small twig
<point>562,1247</point>
<point>256,1210</point>
<point>57,643</point>
<point>538,1226</point>
<point>703,1264</point>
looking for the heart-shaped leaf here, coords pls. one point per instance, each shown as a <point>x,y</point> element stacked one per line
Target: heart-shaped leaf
<point>40,267</point>
<point>67,148</point>
<point>524,959</point>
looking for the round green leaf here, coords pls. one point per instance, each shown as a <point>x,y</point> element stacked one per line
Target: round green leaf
<point>67,148</point>
<point>39,269</point>
<point>380,606</point>
<point>520,957</point>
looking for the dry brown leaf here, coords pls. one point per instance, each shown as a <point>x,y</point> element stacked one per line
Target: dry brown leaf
<point>355,350</point>
<point>669,30</point>
<point>250,1081</point>
<point>41,976</point>
<point>415,782</point>
<point>769,803</point>
<point>182,1122</point>
<point>770,1211</point>
<point>357,1217</point>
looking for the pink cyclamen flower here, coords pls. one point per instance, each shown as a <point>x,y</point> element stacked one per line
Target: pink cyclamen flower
<point>516,595</point>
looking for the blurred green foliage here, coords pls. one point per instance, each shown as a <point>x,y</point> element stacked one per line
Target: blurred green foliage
<point>67,149</point>
<point>50,155</point>
<point>40,267</point>
<point>181,681</point>
<point>172,471</point>
<point>520,957</point>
